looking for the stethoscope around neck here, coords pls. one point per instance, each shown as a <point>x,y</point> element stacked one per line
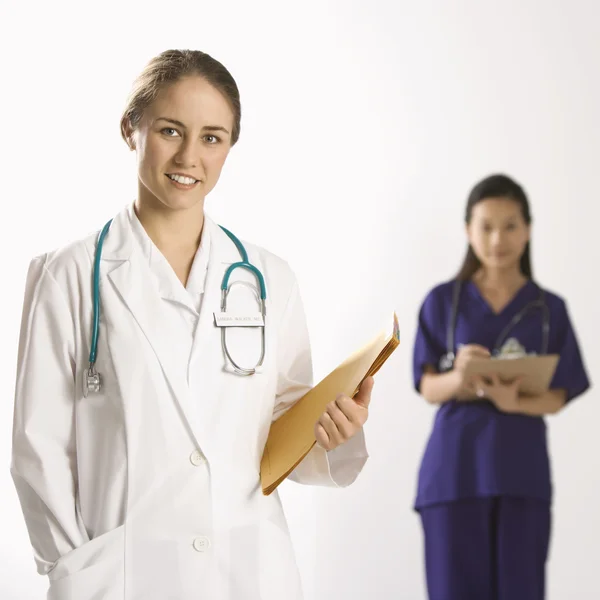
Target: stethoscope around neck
<point>446,363</point>
<point>92,381</point>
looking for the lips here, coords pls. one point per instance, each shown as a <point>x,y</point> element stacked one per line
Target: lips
<point>182,179</point>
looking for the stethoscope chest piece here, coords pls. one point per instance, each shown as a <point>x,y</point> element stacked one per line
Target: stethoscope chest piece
<point>447,362</point>
<point>92,382</point>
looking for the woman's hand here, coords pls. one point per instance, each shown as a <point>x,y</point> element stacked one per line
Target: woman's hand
<point>465,355</point>
<point>344,417</point>
<point>505,396</point>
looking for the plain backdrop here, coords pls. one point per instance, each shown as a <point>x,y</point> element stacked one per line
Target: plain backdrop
<point>364,126</point>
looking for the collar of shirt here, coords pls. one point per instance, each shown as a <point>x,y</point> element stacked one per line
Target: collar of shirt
<point>168,284</point>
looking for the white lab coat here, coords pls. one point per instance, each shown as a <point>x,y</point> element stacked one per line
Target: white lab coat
<point>146,491</point>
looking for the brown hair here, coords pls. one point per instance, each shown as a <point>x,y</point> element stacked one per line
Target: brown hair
<point>169,67</point>
<point>496,186</point>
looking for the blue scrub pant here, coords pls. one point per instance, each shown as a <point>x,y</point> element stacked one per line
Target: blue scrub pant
<point>487,549</point>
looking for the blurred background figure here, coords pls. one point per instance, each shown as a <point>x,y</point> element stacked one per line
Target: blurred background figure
<point>484,486</point>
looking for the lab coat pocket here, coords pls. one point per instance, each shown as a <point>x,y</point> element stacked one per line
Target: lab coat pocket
<point>279,576</point>
<point>93,571</point>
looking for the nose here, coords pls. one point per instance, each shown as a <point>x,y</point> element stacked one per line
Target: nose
<point>188,155</point>
<point>496,237</point>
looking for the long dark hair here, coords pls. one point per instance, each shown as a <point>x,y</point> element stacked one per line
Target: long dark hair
<point>496,186</point>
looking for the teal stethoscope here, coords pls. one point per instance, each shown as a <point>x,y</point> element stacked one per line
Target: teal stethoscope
<point>92,381</point>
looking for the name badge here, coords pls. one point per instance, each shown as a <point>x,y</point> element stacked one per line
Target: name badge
<point>236,320</point>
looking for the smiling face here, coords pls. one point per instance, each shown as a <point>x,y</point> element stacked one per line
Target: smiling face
<point>498,233</point>
<point>182,142</point>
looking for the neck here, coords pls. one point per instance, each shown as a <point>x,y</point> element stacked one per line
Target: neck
<point>171,230</point>
<point>500,278</point>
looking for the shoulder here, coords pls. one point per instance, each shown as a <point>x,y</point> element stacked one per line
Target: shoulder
<point>275,265</point>
<point>439,296</point>
<point>64,266</point>
<point>553,297</point>
<point>71,257</point>
<point>558,307</point>
<point>556,303</point>
<point>280,280</point>
<point>436,307</point>
<point>276,269</point>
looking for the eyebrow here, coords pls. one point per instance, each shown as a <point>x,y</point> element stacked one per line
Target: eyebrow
<point>180,124</point>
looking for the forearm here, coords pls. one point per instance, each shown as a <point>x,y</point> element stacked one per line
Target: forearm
<point>438,388</point>
<point>547,403</point>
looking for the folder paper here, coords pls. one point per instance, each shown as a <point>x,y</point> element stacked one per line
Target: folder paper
<point>292,436</point>
<point>537,371</point>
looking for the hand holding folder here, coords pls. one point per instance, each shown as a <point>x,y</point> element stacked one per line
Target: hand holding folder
<point>292,436</point>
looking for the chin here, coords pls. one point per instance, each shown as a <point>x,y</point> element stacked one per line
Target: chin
<point>183,201</point>
<point>505,262</point>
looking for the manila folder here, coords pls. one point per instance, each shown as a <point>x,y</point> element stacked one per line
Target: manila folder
<point>292,436</point>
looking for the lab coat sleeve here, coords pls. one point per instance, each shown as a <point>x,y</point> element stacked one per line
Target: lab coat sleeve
<point>336,468</point>
<point>43,465</point>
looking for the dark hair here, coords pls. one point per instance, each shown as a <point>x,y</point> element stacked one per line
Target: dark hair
<point>496,186</point>
<point>169,67</point>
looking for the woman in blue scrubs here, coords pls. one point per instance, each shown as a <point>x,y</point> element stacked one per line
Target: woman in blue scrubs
<point>484,491</point>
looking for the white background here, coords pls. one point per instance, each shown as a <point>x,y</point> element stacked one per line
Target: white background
<point>364,126</point>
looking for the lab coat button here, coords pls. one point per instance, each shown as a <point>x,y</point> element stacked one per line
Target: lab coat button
<point>201,544</point>
<point>196,458</point>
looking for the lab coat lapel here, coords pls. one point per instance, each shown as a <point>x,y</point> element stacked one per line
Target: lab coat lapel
<point>135,285</point>
<point>208,358</point>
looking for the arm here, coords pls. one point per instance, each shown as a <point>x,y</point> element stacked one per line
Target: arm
<point>507,399</point>
<point>547,403</point>
<point>438,388</point>
<point>429,348</point>
<point>335,468</point>
<point>570,379</point>
<point>43,464</point>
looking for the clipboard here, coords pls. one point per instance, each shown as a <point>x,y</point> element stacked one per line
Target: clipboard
<point>292,436</point>
<point>537,371</point>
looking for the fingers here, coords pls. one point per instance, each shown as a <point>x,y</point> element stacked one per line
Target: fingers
<point>364,393</point>
<point>322,436</point>
<point>494,379</point>
<point>330,434</point>
<point>479,350</point>
<point>479,386</point>
<point>474,350</point>
<point>470,352</point>
<point>341,420</point>
<point>344,414</point>
<point>516,382</point>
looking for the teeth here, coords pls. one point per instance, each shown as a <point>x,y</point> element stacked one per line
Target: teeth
<point>181,179</point>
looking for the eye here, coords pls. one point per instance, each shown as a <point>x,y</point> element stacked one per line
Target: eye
<point>169,131</point>
<point>212,139</point>
<point>487,228</point>
<point>511,226</point>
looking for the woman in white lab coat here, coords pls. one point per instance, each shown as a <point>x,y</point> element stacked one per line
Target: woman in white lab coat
<point>149,489</point>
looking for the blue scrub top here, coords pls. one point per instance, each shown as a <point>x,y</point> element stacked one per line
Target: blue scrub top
<point>474,449</point>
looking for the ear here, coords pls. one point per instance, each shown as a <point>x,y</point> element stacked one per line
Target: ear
<point>468,231</point>
<point>128,133</point>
